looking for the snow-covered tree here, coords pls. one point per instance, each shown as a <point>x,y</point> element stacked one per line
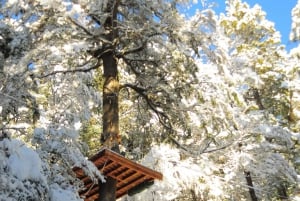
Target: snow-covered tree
<point>40,167</point>
<point>241,126</point>
<point>293,70</point>
<point>295,31</point>
<point>54,54</point>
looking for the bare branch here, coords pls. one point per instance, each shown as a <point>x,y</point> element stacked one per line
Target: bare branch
<point>81,27</point>
<point>139,90</point>
<point>163,118</point>
<point>217,149</point>
<point>98,37</point>
<point>135,50</point>
<point>84,70</point>
<point>131,63</point>
<point>142,45</point>
<point>189,151</point>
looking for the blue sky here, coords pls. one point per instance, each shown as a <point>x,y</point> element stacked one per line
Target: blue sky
<point>278,11</point>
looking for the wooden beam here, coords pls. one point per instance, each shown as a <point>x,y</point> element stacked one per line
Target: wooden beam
<point>124,174</point>
<point>116,170</point>
<point>128,179</point>
<point>123,190</point>
<point>112,167</point>
<point>90,194</point>
<point>135,166</point>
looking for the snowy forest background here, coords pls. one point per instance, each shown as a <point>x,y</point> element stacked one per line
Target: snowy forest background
<point>203,99</point>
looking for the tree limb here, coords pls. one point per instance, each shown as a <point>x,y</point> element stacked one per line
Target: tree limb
<point>81,27</point>
<point>163,118</point>
<point>141,46</point>
<point>131,63</point>
<point>84,70</point>
<point>98,37</point>
<point>136,49</point>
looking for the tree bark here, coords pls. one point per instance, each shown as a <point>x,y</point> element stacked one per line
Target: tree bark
<point>110,134</point>
<point>110,118</point>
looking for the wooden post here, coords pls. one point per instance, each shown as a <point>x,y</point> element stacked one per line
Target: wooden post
<point>250,186</point>
<point>107,190</point>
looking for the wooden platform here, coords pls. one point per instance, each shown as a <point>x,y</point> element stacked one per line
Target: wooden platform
<point>127,173</point>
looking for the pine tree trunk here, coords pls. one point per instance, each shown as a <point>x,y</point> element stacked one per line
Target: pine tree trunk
<point>110,118</point>
<point>110,135</point>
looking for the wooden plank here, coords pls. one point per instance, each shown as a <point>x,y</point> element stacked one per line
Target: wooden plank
<point>88,193</point>
<point>112,173</point>
<point>86,180</point>
<point>93,196</point>
<point>101,161</point>
<point>123,190</point>
<point>98,162</point>
<point>79,172</point>
<point>89,187</point>
<point>127,172</point>
<point>130,164</point>
<point>128,179</point>
<point>98,155</point>
<point>108,168</point>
